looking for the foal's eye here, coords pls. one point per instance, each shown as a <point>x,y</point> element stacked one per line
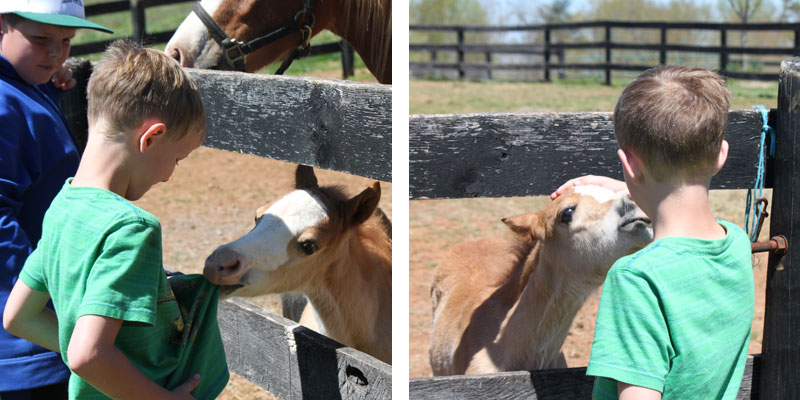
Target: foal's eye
<point>309,247</point>
<point>566,214</point>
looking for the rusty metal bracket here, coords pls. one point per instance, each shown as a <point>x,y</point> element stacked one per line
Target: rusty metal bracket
<point>762,215</point>
<point>777,245</point>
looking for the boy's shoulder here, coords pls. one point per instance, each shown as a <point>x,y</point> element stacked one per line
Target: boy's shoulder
<point>100,205</point>
<point>685,251</point>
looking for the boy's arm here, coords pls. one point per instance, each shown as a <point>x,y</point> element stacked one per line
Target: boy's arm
<point>92,355</point>
<point>27,317</point>
<point>633,392</point>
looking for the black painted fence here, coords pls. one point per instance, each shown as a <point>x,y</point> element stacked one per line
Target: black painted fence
<point>549,47</point>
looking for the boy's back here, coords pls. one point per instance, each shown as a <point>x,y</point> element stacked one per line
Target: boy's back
<point>676,317</point>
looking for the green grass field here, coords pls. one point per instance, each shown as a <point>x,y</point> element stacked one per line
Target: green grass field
<point>444,97</point>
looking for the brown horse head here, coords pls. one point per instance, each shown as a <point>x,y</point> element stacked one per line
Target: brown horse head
<point>365,24</point>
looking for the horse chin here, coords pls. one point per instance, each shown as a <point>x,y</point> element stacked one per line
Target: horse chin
<point>226,291</point>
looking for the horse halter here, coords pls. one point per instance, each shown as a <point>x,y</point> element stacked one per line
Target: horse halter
<point>236,51</point>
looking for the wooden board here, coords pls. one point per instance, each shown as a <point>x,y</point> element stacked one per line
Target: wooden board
<point>338,125</point>
<point>294,362</point>
<point>780,346</point>
<point>326,123</point>
<point>554,384</point>
<point>503,154</point>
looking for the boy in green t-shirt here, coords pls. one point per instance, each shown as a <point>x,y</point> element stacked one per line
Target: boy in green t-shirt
<point>674,318</point>
<point>117,324</point>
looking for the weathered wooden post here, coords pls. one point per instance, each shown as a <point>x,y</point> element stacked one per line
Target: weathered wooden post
<point>138,20</point>
<point>348,59</point>
<point>723,50</point>
<point>460,53</point>
<point>547,54</point>
<point>608,54</point>
<point>662,53</point>
<point>780,347</point>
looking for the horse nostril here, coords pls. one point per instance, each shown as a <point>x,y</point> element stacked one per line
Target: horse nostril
<point>230,265</point>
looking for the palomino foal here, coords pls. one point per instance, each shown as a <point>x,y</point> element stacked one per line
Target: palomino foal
<point>503,307</point>
<point>337,251</point>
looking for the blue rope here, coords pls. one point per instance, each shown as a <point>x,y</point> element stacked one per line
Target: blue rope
<point>751,226</point>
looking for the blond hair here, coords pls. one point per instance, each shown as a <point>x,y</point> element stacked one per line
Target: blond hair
<point>131,84</point>
<point>674,118</point>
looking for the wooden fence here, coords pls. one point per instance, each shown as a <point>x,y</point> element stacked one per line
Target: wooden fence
<point>549,47</point>
<point>458,156</point>
<point>338,125</point>
<point>137,10</point>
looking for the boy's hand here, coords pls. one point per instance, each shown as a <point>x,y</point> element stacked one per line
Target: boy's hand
<point>184,391</point>
<point>602,181</point>
<point>63,79</point>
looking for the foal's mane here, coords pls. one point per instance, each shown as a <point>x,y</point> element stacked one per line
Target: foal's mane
<point>373,21</point>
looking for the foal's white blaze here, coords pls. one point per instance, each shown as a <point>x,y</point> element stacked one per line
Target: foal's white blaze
<point>286,218</point>
<point>600,194</point>
<point>192,35</point>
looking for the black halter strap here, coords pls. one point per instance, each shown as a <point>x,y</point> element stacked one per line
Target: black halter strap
<point>236,51</point>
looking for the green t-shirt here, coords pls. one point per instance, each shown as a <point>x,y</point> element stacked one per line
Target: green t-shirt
<point>675,317</point>
<point>101,255</point>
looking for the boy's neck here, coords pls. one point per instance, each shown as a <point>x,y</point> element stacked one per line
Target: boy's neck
<point>682,211</point>
<point>104,165</point>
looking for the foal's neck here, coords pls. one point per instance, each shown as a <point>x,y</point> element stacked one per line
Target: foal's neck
<point>367,26</point>
<point>540,320</point>
<point>353,292</point>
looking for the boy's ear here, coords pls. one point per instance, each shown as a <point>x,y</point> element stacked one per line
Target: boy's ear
<point>722,157</point>
<point>149,132</point>
<point>630,164</point>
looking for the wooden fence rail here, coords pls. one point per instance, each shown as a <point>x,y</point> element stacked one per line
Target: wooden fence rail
<point>339,125</point>
<point>456,156</point>
<point>502,154</point>
<point>137,10</point>
<point>549,46</point>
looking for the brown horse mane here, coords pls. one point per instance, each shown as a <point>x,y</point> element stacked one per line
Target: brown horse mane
<point>378,27</point>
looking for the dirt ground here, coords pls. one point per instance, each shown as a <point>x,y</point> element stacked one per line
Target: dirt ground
<point>436,225</point>
<point>211,200</point>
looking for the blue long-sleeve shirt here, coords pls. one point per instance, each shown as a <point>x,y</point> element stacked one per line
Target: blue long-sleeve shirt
<point>37,154</point>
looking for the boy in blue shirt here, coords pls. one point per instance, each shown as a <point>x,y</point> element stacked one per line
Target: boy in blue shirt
<point>37,154</point>
<point>674,318</point>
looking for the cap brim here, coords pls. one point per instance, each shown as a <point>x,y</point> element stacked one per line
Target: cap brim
<point>62,20</point>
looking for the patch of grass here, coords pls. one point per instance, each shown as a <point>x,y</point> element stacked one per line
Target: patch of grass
<point>444,97</point>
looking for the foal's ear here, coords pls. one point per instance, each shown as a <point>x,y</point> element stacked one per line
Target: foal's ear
<point>359,208</point>
<point>528,226</point>
<point>304,177</point>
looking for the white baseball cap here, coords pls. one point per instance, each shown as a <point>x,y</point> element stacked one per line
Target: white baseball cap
<point>67,13</point>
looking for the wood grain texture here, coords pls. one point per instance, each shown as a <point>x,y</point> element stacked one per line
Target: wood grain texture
<point>503,154</point>
<point>337,125</point>
<point>331,124</point>
<point>294,362</point>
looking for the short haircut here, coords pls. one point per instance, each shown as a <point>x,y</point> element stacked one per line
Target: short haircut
<point>132,83</point>
<point>674,118</point>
